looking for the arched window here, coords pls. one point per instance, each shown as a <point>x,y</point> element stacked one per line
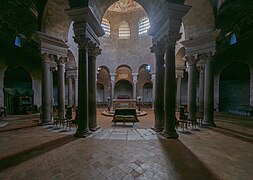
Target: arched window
<point>106,26</point>
<point>232,39</point>
<point>124,30</point>
<point>144,25</point>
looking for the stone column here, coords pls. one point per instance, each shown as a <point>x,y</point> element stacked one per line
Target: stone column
<point>46,90</point>
<point>112,85</point>
<point>170,86</point>
<point>52,69</point>
<point>83,95</point>
<point>135,84</point>
<point>201,88</point>
<point>94,51</point>
<point>251,86</point>
<point>76,91</point>
<point>153,90</point>
<point>209,91</point>
<point>159,51</point>
<point>192,76</point>
<point>61,85</point>
<point>70,91</point>
<point>179,82</point>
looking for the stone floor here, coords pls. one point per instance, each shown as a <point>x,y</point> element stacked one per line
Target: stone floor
<point>28,151</point>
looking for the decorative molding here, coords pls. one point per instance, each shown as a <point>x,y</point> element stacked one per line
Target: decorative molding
<point>93,49</point>
<point>191,60</point>
<point>201,44</point>
<point>82,41</point>
<point>85,23</point>
<point>158,49</point>
<point>60,60</point>
<point>51,44</point>
<point>171,38</point>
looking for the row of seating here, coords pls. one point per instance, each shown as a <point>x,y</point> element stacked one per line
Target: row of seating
<point>125,115</point>
<point>184,122</point>
<point>67,122</point>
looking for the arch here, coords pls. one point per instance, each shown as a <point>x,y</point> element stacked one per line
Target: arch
<point>123,88</point>
<point>123,72</point>
<point>180,54</point>
<point>146,67</point>
<point>17,77</point>
<point>124,65</point>
<point>147,95</point>
<point>103,78</point>
<point>103,67</point>
<point>100,94</point>
<point>234,88</point>
<point>55,20</point>
<point>18,93</point>
<point>71,64</point>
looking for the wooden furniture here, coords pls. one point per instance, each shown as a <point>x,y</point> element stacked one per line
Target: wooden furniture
<point>125,115</point>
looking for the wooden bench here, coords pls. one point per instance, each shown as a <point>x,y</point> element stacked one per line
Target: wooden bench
<point>125,115</point>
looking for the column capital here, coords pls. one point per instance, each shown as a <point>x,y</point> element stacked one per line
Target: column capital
<point>206,56</point>
<point>135,78</point>
<point>82,41</point>
<point>52,69</point>
<point>47,57</point>
<point>153,78</point>
<point>179,74</point>
<point>191,60</point>
<point>60,60</point>
<point>157,49</point>
<point>112,75</point>
<point>171,38</point>
<point>93,49</point>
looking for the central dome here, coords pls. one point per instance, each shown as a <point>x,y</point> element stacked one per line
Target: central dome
<point>125,6</point>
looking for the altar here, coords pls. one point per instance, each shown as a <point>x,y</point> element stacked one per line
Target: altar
<point>123,103</point>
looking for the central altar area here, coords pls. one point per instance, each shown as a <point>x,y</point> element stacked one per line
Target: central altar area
<point>124,103</point>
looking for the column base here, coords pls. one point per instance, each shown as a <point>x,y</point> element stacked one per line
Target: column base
<point>170,135</point>
<point>207,124</point>
<point>45,123</point>
<point>157,129</point>
<point>82,133</point>
<point>94,128</point>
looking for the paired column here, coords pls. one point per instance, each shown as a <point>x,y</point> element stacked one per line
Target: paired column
<point>52,69</point>
<point>112,84</point>
<point>179,82</point>
<point>94,51</point>
<point>153,89</point>
<point>209,91</point>
<point>75,90</point>
<point>159,87</point>
<point>70,91</point>
<point>192,76</point>
<point>83,95</point>
<point>170,86</point>
<point>61,85</point>
<point>46,89</point>
<point>135,84</point>
<point>201,87</point>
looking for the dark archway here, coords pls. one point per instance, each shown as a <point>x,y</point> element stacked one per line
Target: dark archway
<point>123,88</point>
<point>100,94</point>
<point>147,98</point>
<point>18,93</point>
<point>235,89</point>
